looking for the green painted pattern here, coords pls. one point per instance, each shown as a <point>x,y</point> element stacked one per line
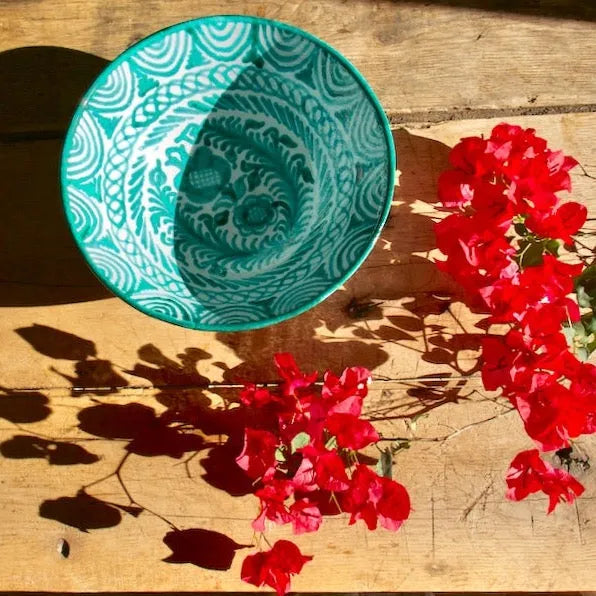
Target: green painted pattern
<point>227,173</point>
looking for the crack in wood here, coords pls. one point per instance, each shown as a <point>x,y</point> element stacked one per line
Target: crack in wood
<point>469,113</point>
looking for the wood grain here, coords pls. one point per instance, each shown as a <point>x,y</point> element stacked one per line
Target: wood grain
<point>460,528</point>
<point>398,315</point>
<point>85,378</point>
<point>417,57</point>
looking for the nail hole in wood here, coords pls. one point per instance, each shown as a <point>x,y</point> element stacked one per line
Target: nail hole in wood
<point>63,548</point>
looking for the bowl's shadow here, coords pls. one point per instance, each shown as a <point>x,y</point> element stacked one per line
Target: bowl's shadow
<point>39,261</point>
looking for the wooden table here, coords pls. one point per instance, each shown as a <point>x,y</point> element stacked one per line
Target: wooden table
<point>81,371</point>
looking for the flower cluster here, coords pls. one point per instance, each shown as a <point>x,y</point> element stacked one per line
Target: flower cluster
<point>529,474</point>
<point>303,459</point>
<point>502,243</point>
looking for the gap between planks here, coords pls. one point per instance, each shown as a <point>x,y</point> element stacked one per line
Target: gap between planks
<point>396,119</point>
<point>377,384</point>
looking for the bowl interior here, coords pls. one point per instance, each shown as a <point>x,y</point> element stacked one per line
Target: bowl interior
<point>227,173</point>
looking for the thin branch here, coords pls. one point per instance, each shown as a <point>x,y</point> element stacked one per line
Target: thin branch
<point>132,501</point>
<point>449,436</point>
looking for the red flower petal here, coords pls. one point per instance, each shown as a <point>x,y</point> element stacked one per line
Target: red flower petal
<point>330,473</point>
<point>394,505</point>
<point>274,567</point>
<point>372,498</point>
<point>351,432</point>
<point>573,216</point>
<point>304,478</point>
<point>272,498</point>
<point>455,188</point>
<point>345,393</point>
<point>529,474</point>
<point>257,397</point>
<point>295,380</point>
<point>258,455</point>
<point>306,516</point>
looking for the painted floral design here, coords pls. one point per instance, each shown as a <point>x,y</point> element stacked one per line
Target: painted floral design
<point>254,214</point>
<point>206,175</point>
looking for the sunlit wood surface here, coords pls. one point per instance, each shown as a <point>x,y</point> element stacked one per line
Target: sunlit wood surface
<point>84,377</point>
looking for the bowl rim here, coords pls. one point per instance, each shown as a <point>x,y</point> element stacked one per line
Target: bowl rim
<point>131,50</point>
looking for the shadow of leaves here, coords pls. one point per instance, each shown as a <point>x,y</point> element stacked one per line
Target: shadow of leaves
<point>23,406</point>
<point>203,548</point>
<point>57,453</point>
<point>82,511</point>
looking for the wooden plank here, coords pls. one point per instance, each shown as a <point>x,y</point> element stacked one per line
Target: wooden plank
<point>462,535</point>
<point>398,315</point>
<point>416,57</point>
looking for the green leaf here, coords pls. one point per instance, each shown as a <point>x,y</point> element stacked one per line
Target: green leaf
<point>589,322</point>
<point>385,464</point>
<point>580,337</point>
<point>520,229</point>
<point>331,443</point>
<point>569,334</point>
<point>279,455</point>
<point>552,247</point>
<point>300,440</point>
<point>583,298</point>
<point>530,253</point>
<point>585,287</point>
<point>579,329</point>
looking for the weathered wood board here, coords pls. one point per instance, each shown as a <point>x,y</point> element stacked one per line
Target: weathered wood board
<point>80,370</point>
<point>416,56</point>
<point>84,377</point>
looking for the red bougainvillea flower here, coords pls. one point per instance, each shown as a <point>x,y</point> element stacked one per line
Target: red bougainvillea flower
<point>304,478</point>
<point>456,188</point>
<point>329,468</point>
<point>546,418</point>
<point>550,281</point>
<point>257,397</point>
<point>274,567</point>
<point>345,394</point>
<point>470,155</point>
<point>295,380</point>
<point>561,223</point>
<point>305,516</point>
<point>541,323</point>
<point>501,244</point>
<point>529,474</point>
<point>351,432</point>
<point>477,253</point>
<point>509,363</point>
<point>258,455</point>
<point>272,497</point>
<point>375,499</point>
<point>583,389</point>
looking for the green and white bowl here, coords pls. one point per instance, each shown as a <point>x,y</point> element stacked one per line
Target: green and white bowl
<point>227,173</point>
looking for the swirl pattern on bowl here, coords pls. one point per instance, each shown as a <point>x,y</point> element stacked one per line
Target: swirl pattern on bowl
<point>227,173</point>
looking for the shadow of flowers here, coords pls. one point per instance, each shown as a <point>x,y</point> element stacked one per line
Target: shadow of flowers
<point>398,298</point>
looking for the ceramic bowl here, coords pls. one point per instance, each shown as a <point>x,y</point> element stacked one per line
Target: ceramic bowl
<point>227,173</point>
